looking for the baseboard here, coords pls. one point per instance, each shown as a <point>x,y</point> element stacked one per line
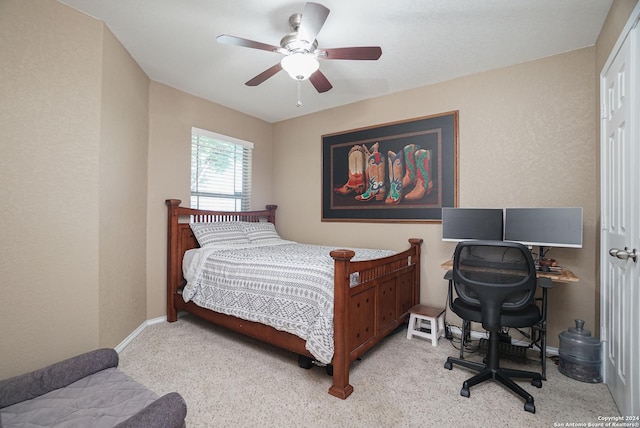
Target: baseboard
<point>551,351</point>
<point>137,331</point>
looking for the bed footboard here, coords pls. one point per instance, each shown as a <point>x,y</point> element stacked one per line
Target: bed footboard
<point>367,312</point>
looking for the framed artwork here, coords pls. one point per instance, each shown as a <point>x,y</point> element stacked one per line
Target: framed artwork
<point>395,172</point>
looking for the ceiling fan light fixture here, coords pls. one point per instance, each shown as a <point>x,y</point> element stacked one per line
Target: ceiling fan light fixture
<point>300,65</point>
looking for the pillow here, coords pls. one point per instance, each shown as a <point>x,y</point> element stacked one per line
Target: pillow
<point>221,233</point>
<point>261,232</point>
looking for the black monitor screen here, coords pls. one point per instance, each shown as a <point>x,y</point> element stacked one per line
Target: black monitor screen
<point>461,224</point>
<point>548,227</point>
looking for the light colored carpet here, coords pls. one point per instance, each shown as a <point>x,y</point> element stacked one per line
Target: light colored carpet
<point>229,380</point>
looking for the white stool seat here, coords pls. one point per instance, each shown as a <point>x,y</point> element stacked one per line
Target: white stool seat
<point>426,322</point>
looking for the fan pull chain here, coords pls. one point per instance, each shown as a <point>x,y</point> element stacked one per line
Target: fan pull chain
<point>299,103</point>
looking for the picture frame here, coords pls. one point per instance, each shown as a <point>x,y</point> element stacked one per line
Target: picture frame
<point>403,171</point>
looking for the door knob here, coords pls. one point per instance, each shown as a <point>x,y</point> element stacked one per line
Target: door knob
<point>624,254</point>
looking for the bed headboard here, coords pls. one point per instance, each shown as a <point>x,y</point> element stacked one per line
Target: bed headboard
<point>180,238</point>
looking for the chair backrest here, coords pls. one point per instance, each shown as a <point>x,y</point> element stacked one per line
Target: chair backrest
<point>495,276</point>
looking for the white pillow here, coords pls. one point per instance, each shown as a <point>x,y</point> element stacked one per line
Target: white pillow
<point>220,233</point>
<point>261,232</point>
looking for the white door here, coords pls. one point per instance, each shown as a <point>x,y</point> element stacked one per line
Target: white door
<point>620,221</point>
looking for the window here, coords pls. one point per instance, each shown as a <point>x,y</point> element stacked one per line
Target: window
<point>220,172</point>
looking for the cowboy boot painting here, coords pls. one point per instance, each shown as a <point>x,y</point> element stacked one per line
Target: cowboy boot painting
<point>367,152</point>
<point>409,178</point>
<point>396,172</point>
<point>424,181</point>
<point>375,172</point>
<point>355,183</point>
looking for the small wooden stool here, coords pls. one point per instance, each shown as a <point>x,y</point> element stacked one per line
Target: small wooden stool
<point>426,317</point>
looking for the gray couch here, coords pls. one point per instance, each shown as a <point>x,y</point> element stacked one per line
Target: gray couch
<point>86,391</point>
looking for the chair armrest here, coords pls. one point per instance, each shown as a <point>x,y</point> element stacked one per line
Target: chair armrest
<point>168,411</point>
<point>39,382</point>
<point>545,282</point>
<point>449,275</point>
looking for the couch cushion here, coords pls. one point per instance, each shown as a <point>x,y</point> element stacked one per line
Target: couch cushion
<point>102,399</point>
<point>31,385</point>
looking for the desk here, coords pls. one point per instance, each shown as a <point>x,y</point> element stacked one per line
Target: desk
<point>565,275</point>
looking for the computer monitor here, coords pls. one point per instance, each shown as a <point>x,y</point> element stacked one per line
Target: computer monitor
<point>462,224</point>
<point>544,227</point>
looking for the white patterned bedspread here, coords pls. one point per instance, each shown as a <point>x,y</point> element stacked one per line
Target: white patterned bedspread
<point>286,285</point>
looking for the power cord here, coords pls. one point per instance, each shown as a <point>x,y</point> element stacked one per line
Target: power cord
<point>470,346</point>
<point>447,331</point>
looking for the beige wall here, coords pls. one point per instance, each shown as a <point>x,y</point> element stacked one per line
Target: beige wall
<point>73,154</point>
<point>172,113</point>
<point>526,138</point>
<point>122,193</point>
<point>50,86</point>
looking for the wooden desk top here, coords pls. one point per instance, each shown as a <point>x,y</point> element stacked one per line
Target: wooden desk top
<point>565,274</point>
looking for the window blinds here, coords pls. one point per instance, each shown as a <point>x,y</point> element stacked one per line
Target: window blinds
<point>220,171</point>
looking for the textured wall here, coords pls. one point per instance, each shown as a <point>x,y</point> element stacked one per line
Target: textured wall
<point>49,158</point>
<point>74,163</point>
<point>123,193</point>
<point>526,138</point>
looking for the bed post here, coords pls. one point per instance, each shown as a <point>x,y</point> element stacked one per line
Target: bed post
<point>341,353</point>
<point>271,218</point>
<point>173,278</point>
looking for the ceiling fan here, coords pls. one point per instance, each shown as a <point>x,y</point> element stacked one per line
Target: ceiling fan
<point>300,49</point>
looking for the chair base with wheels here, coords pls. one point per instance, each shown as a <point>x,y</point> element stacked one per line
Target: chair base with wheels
<point>492,370</point>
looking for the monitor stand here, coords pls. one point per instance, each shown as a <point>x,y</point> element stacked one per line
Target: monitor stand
<point>541,268</point>
<point>540,258</point>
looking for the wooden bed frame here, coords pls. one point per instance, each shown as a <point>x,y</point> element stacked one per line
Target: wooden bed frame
<point>364,313</point>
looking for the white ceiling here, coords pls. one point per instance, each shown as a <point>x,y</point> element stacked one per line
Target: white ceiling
<point>423,42</point>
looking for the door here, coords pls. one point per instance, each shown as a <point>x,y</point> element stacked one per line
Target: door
<point>620,222</point>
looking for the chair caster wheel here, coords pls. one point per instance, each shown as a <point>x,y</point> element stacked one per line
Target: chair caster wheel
<point>536,382</point>
<point>465,392</point>
<point>529,407</point>
<point>448,365</point>
<point>329,369</point>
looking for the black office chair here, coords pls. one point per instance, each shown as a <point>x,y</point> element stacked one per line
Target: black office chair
<point>496,283</point>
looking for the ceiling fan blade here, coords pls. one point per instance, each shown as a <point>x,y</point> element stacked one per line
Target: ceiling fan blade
<point>313,17</point>
<point>363,52</point>
<point>226,39</point>
<point>320,82</point>
<point>264,75</point>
